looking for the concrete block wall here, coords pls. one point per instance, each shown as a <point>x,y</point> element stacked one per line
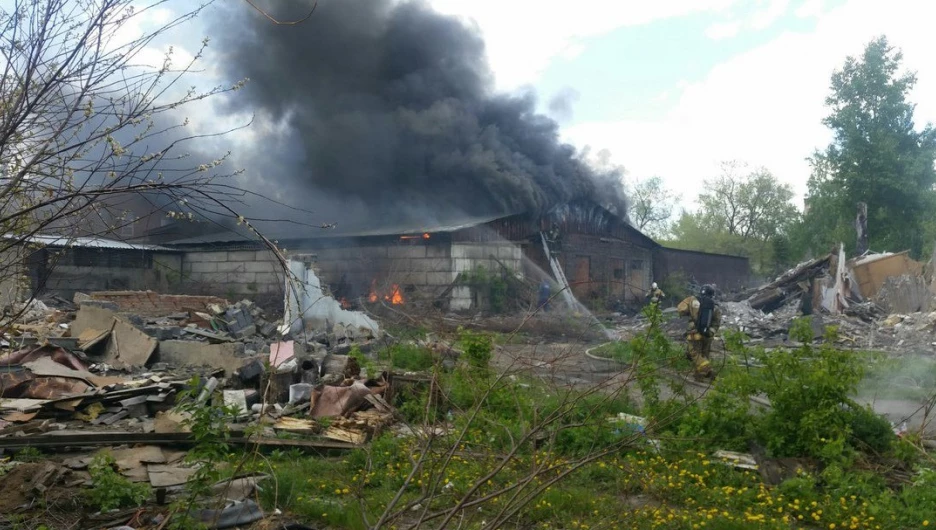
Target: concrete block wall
<point>233,273</point>
<point>467,257</point>
<point>11,276</point>
<point>421,270</point>
<point>150,303</point>
<point>66,280</point>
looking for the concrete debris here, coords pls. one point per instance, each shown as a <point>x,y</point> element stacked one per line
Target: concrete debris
<point>111,373</point>
<point>308,306</point>
<point>905,294</point>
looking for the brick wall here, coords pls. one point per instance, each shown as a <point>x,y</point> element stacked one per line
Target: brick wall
<point>150,303</point>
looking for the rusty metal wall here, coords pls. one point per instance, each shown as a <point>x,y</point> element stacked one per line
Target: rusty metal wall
<point>727,272</point>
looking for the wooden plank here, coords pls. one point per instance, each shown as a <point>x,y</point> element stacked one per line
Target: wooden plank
<point>90,337</point>
<point>161,439</point>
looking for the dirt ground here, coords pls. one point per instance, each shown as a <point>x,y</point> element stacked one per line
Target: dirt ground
<point>566,363</point>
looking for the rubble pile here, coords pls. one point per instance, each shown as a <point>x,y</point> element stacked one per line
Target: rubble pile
<point>881,300</point>
<point>789,286</point>
<point>905,294</point>
<point>109,370</point>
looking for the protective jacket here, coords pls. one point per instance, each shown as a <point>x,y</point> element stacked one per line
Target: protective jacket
<point>690,307</point>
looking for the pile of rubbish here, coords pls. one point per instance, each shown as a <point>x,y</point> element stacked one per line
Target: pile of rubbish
<point>92,373</point>
<point>879,284</point>
<point>882,301</point>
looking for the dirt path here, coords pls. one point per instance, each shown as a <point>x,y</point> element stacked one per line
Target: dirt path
<point>566,365</point>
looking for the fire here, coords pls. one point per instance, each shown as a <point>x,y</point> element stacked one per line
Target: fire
<point>395,297</point>
<point>424,236</point>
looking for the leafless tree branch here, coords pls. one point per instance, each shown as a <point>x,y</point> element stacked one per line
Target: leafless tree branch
<point>282,22</point>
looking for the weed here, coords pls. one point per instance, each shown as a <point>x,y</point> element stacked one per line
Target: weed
<point>28,454</point>
<point>208,424</point>
<point>367,365</point>
<point>110,489</point>
<point>410,357</point>
<point>478,347</point>
<point>492,287</point>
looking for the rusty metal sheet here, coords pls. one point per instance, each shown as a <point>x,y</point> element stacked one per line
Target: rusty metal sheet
<point>59,355</point>
<point>334,401</point>
<point>23,384</point>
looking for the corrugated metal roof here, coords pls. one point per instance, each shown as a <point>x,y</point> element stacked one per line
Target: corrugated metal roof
<point>411,228</point>
<point>84,242</point>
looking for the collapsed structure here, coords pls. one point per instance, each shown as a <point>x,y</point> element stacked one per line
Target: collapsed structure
<point>892,281</point>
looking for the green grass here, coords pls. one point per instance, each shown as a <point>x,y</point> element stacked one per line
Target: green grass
<point>619,351</point>
<point>681,485</point>
<point>409,357</point>
<point>626,352</point>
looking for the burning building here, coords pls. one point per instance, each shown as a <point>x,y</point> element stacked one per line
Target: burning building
<point>604,258</point>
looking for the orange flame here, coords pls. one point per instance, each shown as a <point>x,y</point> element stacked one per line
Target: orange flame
<point>395,297</point>
<point>424,236</point>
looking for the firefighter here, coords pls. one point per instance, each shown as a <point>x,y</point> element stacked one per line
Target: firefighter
<point>655,295</point>
<point>704,321</point>
<point>544,295</point>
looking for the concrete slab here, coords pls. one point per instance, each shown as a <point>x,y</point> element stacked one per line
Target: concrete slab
<point>228,356</point>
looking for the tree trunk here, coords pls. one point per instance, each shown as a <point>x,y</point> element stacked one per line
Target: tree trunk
<point>861,229</point>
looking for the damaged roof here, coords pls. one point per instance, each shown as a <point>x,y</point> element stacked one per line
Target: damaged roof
<point>242,234</point>
<point>82,242</point>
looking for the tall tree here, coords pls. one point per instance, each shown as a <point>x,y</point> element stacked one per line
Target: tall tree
<point>746,212</point>
<point>652,205</point>
<point>877,156</point>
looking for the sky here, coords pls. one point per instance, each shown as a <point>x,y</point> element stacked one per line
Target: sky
<point>671,88</point>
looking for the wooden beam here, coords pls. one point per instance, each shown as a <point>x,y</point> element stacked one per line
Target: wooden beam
<point>184,439</point>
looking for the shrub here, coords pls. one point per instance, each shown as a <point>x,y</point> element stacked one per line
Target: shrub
<point>111,490</point>
<point>478,347</point>
<point>410,357</point>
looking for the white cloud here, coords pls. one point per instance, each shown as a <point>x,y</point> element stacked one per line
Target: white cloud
<point>723,30</point>
<point>809,9</point>
<point>766,106</point>
<point>523,36</point>
<point>764,18</point>
<point>758,20</point>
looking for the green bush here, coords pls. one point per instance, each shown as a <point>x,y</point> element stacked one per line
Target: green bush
<point>478,347</point>
<point>411,357</point>
<point>491,284</point>
<point>112,490</point>
<point>809,388</point>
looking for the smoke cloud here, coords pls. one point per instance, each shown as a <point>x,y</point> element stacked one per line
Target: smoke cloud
<point>385,109</point>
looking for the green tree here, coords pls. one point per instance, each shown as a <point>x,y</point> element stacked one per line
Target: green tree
<point>652,206</point>
<point>877,156</point>
<point>742,212</point>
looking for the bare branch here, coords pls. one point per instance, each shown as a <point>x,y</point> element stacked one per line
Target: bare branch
<point>283,22</point>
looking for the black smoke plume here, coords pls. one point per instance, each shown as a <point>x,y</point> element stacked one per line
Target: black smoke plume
<point>386,109</point>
